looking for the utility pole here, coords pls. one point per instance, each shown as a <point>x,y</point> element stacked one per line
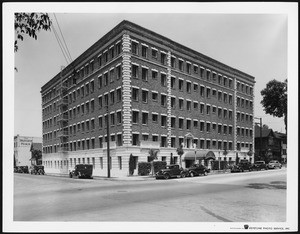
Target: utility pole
<point>108,149</point>
<point>260,145</point>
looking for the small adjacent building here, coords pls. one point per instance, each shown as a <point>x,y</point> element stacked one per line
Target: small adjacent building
<point>23,146</point>
<point>269,145</point>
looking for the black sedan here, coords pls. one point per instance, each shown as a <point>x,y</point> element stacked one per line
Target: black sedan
<point>198,169</point>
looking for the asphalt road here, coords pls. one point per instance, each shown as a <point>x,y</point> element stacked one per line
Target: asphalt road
<point>249,196</point>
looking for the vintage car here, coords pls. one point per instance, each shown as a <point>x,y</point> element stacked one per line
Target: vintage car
<point>273,164</point>
<point>171,171</point>
<point>82,171</point>
<point>260,165</point>
<point>198,169</point>
<point>21,169</point>
<point>37,170</point>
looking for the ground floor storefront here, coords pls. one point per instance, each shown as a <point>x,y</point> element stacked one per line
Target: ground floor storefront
<point>118,166</point>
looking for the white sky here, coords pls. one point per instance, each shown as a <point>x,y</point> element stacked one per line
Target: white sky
<point>260,39</point>
<point>253,43</point>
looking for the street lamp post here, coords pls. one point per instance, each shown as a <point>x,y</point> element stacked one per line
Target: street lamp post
<point>108,148</point>
<point>195,151</point>
<point>260,146</point>
<point>219,160</point>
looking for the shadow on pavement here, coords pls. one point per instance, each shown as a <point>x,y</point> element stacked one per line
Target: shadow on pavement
<point>272,185</point>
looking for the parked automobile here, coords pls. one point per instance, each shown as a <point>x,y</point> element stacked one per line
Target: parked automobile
<point>21,169</point>
<point>171,171</point>
<point>273,164</point>
<point>82,171</point>
<point>236,168</point>
<point>37,170</point>
<point>260,165</point>
<point>197,169</point>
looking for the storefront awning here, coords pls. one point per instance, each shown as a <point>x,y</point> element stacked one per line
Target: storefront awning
<point>203,154</point>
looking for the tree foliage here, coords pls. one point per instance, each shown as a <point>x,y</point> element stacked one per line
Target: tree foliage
<point>275,99</point>
<point>36,155</point>
<point>29,24</point>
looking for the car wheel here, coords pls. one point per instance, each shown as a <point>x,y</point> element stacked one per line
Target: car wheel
<point>205,173</point>
<point>192,174</point>
<point>166,176</point>
<point>70,175</point>
<point>182,175</point>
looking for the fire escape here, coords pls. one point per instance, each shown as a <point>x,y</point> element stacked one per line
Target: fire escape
<point>62,119</point>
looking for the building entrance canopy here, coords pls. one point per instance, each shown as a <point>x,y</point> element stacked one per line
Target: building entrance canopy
<point>205,154</point>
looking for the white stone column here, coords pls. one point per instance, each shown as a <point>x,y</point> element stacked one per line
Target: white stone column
<point>126,88</point>
<point>169,109</point>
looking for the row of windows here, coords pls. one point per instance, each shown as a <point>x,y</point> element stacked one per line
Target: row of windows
<point>179,64</point>
<point>87,144</point>
<point>74,161</point>
<point>102,59</point>
<point>185,66</point>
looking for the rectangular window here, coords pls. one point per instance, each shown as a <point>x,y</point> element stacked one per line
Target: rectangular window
<point>135,94</point>
<point>118,48</point>
<point>135,71</point>
<point>119,72</point>
<point>202,91</point>
<point>173,121</point>
<point>154,96</point>
<point>119,117</point>
<point>180,85</point>
<point>154,118</point>
<point>196,106</point>
<point>180,123</point>
<point>135,117</point>
<point>163,121</point>
<point>112,97</point>
<point>145,118</point>
<point>195,69</point>
<point>195,123</point>
<point>112,75</point>
<point>119,95</point>
<point>99,61</point>
<point>173,80</point>
<point>188,124</point>
<point>180,65</point>
<point>106,79</point>
<point>207,109</point>
<point>135,139</point>
<point>188,87</point>
<point>99,82</point>
<point>163,79</point>
<point>208,127</point>
<point>188,68</point>
<point>173,102</point>
<point>188,105</point>
<point>134,47</point>
<point>202,108</point>
<point>180,104</point>
<point>144,51</point>
<point>154,53</point>
<point>120,162</point>
<point>201,126</point>
<point>144,74</point>
<point>163,100</point>
<point>163,58</point>
<point>173,60</point>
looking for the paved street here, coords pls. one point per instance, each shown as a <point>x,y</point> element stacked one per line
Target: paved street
<point>249,196</point>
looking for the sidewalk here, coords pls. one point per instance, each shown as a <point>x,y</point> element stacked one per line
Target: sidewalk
<point>133,177</point>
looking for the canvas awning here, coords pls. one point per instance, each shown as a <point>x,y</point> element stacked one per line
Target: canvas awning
<point>203,154</point>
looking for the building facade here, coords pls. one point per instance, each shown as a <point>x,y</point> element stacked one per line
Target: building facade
<point>22,149</point>
<point>155,94</point>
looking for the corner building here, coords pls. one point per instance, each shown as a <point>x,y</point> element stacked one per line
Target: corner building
<point>155,94</point>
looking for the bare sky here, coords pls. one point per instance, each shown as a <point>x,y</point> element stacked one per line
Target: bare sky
<point>253,43</point>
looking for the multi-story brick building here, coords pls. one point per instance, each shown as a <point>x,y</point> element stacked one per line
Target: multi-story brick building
<point>156,94</point>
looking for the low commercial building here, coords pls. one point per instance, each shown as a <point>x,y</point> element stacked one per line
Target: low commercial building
<point>152,93</point>
<point>22,149</point>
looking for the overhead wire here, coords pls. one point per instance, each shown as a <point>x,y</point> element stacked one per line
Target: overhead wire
<point>60,44</point>
<point>68,52</point>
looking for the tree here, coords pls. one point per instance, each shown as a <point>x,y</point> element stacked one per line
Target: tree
<point>152,156</point>
<point>275,99</point>
<point>36,155</point>
<point>180,152</point>
<point>29,24</point>
<point>131,164</point>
